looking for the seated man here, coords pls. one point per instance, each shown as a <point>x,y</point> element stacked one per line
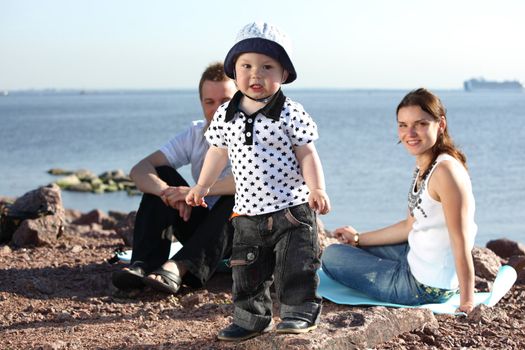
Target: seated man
<point>163,215</point>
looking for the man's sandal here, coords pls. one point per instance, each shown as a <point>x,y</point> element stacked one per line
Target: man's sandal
<point>169,282</point>
<point>130,277</point>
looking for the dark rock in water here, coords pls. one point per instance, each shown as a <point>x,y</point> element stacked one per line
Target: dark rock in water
<point>80,187</point>
<point>87,181</point>
<point>134,192</point>
<point>115,175</point>
<point>125,228</point>
<point>59,171</point>
<point>486,263</point>
<point>85,175</point>
<point>506,248</point>
<point>68,181</point>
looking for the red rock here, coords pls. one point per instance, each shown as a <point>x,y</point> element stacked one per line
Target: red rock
<point>36,210</point>
<point>33,232</point>
<point>72,215</point>
<point>125,228</point>
<point>486,263</point>
<point>518,263</point>
<point>42,201</point>
<point>506,248</point>
<point>118,215</point>
<point>95,216</point>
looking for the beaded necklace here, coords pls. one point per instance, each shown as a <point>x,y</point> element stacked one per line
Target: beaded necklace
<point>414,199</point>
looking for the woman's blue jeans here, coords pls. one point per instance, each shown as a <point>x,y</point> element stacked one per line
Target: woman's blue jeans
<point>381,272</point>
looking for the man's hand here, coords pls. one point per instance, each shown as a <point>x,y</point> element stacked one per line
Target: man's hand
<point>175,197</point>
<point>171,195</point>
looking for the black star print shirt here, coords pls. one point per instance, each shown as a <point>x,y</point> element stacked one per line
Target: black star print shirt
<point>260,148</point>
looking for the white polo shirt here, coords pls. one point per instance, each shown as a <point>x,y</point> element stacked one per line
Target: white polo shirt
<point>260,148</point>
<point>190,147</point>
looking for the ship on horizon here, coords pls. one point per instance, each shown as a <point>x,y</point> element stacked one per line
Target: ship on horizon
<point>480,84</point>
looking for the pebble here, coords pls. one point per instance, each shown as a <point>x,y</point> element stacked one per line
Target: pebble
<point>5,250</point>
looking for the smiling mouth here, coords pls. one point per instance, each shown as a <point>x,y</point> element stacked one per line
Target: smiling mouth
<point>412,142</point>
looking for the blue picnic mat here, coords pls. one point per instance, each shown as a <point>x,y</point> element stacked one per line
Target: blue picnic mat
<point>340,294</point>
<point>125,256</point>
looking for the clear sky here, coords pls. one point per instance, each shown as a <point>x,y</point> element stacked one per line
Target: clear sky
<point>105,44</point>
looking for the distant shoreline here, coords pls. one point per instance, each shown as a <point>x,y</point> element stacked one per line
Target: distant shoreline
<point>78,91</point>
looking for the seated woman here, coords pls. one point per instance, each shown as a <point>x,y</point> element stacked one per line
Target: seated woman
<point>426,257</point>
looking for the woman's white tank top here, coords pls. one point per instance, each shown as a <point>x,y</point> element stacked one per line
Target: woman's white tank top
<point>430,256</point>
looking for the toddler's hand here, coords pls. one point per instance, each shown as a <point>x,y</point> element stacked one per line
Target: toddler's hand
<point>196,196</point>
<point>319,201</point>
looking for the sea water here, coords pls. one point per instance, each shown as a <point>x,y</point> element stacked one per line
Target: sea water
<point>367,173</point>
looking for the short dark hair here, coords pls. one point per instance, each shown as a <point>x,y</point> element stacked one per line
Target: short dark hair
<point>214,72</point>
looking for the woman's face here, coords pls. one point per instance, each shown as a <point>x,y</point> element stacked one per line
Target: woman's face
<point>418,130</point>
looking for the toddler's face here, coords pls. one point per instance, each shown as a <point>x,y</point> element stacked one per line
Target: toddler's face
<point>258,75</point>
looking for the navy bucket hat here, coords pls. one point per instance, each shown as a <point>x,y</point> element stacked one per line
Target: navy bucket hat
<point>263,38</point>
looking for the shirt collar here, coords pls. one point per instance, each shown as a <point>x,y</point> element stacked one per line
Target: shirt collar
<point>271,110</point>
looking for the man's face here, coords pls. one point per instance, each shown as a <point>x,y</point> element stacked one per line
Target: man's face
<point>214,94</point>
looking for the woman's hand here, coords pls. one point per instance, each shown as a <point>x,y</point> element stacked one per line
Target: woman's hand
<point>346,235</point>
<point>466,307</point>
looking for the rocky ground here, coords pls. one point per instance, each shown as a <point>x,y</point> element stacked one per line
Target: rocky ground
<point>56,293</point>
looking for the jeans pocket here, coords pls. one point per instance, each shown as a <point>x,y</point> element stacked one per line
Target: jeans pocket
<point>298,216</point>
<point>246,272</point>
<point>243,255</point>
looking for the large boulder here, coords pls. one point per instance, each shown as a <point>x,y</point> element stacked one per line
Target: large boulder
<point>351,328</point>
<point>41,216</point>
<point>125,228</point>
<point>35,232</point>
<point>486,263</point>
<point>505,248</point>
<point>518,263</point>
<point>45,200</point>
